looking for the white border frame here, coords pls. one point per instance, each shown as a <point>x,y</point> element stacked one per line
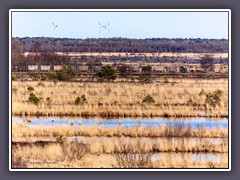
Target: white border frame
<point>122,10</point>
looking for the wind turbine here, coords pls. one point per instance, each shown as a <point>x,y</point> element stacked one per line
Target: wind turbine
<point>54,27</point>
<point>103,26</point>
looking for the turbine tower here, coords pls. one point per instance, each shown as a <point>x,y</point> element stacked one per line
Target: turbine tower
<point>54,28</point>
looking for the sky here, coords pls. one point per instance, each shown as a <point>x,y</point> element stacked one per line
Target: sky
<point>121,24</point>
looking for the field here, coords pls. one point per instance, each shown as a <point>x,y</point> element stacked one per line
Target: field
<point>164,98</point>
<point>95,147</point>
<point>173,145</point>
<point>170,130</point>
<point>125,54</point>
<point>109,98</point>
<point>98,155</point>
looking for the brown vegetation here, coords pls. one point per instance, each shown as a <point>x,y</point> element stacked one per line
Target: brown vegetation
<point>171,130</point>
<point>179,98</point>
<point>132,153</point>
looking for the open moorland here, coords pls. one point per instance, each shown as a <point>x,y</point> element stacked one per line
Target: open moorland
<point>165,98</point>
<point>119,103</point>
<point>173,145</point>
<point>121,153</point>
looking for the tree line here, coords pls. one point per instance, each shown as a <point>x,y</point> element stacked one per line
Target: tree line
<point>149,45</point>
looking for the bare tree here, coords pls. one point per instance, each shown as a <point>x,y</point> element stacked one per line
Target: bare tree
<point>131,156</point>
<point>17,51</point>
<point>36,48</point>
<point>152,45</point>
<point>74,150</point>
<point>207,63</point>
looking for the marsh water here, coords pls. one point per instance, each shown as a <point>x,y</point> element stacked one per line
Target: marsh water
<point>169,157</point>
<point>123,122</point>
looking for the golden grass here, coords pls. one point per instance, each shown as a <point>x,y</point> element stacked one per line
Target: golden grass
<point>108,145</point>
<point>174,98</point>
<point>176,161</point>
<point>126,54</point>
<point>96,158</point>
<point>23,130</point>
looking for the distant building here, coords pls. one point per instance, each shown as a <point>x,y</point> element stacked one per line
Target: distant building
<point>32,67</point>
<point>173,69</point>
<point>57,67</point>
<point>158,68</point>
<point>146,68</point>
<point>135,68</point>
<point>82,68</point>
<point>45,67</point>
<point>121,69</point>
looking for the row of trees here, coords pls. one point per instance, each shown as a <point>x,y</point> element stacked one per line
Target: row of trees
<point>41,57</point>
<point>122,45</point>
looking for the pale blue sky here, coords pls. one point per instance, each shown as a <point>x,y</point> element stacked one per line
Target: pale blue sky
<point>122,24</point>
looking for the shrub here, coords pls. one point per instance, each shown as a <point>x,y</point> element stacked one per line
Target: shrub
<point>183,69</point>
<point>190,101</point>
<point>144,77</point>
<point>33,99</point>
<point>148,99</point>
<point>30,88</point>
<point>211,165</point>
<point>43,78</point>
<point>74,150</point>
<point>53,75</point>
<point>178,129</point>
<point>41,84</point>
<point>66,74</point>
<point>213,98</point>
<point>14,90</point>
<point>207,63</point>
<point>81,100</point>
<point>126,158</point>
<point>107,73</point>
<point>14,78</point>
<point>49,101</point>
<point>202,92</point>
<point>61,139</point>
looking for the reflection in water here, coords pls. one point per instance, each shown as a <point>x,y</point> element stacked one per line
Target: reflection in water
<point>194,157</point>
<point>123,122</point>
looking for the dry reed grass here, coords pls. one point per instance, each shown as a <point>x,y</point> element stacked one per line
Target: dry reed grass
<point>103,145</point>
<point>172,98</point>
<point>124,54</point>
<point>132,156</point>
<point>23,130</point>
